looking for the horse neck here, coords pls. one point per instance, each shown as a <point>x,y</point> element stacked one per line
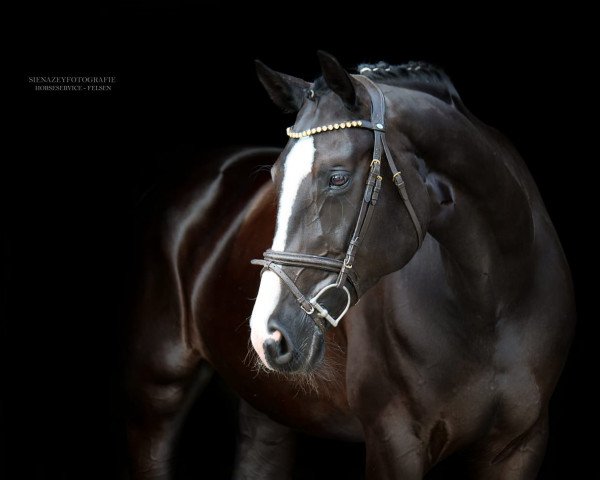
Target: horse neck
<point>486,231</point>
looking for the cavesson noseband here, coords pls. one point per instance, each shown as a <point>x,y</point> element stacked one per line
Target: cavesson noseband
<point>275,260</point>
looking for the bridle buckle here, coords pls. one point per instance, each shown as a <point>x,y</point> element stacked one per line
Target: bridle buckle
<point>312,309</point>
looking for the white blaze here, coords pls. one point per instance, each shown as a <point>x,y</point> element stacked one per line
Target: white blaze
<point>297,166</point>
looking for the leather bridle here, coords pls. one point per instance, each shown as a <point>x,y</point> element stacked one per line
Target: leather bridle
<point>275,260</point>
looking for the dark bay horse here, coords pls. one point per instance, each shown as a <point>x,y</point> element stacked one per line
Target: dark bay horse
<point>462,307</point>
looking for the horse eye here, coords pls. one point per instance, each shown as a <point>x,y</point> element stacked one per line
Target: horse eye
<point>338,180</point>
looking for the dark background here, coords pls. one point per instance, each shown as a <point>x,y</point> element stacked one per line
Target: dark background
<point>82,162</point>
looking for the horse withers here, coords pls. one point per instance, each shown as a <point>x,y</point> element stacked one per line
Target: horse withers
<point>414,294</point>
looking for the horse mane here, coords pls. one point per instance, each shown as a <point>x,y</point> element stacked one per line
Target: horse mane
<point>419,76</point>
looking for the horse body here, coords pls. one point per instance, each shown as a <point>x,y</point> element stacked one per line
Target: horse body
<point>473,329</point>
<point>458,349</point>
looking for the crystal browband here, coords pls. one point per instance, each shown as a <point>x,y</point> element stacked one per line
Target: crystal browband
<point>333,126</point>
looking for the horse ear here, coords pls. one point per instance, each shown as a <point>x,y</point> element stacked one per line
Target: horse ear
<point>287,92</point>
<point>337,79</point>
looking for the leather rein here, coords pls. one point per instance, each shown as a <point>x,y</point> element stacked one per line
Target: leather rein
<point>275,260</point>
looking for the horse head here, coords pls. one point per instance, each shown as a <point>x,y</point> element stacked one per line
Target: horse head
<point>341,224</point>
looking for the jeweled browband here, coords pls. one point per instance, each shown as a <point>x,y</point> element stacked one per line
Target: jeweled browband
<point>333,126</point>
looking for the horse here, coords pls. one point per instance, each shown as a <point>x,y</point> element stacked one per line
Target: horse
<point>413,295</point>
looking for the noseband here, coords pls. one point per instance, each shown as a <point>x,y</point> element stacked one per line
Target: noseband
<point>274,261</point>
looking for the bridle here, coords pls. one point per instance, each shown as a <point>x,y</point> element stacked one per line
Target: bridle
<point>275,260</point>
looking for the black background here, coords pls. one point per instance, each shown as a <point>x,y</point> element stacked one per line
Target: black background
<point>82,162</point>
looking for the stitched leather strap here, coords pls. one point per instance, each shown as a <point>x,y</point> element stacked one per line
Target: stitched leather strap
<point>378,117</point>
<point>401,186</point>
<point>294,259</point>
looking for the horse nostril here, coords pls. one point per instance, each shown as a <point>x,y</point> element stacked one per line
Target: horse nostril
<point>278,352</point>
<point>283,344</point>
<point>278,348</point>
